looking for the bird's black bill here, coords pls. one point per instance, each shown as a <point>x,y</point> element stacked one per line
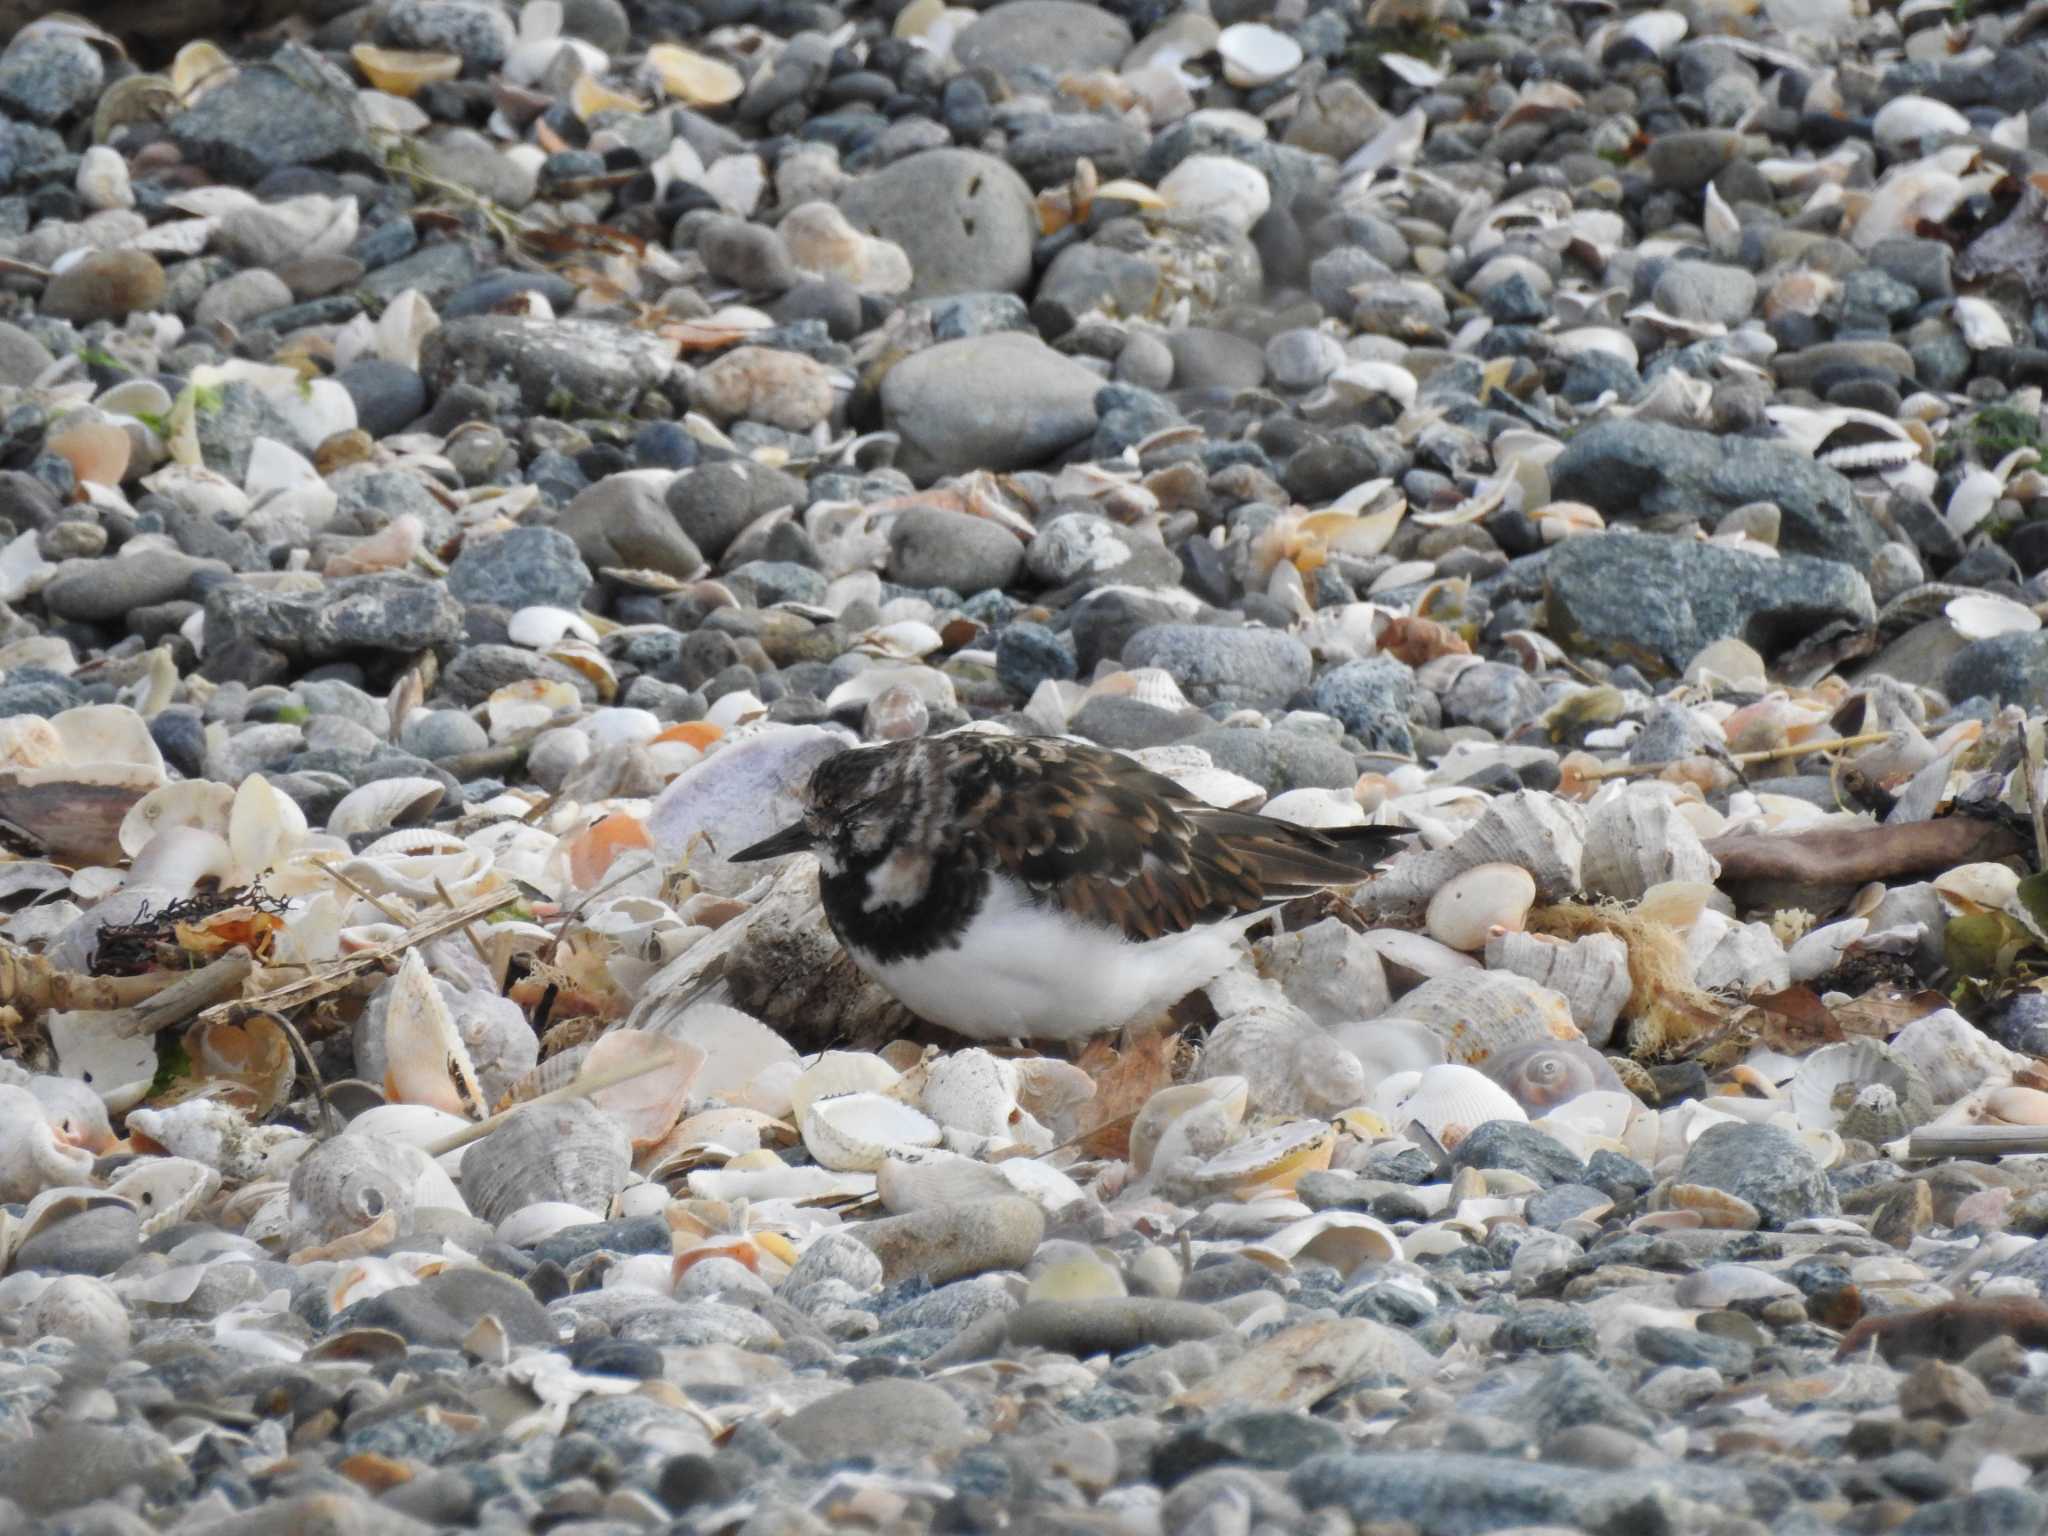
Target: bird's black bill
<point>795,838</point>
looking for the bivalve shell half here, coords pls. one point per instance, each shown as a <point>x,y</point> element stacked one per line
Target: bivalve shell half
<point>1271,1160</point>
<point>1345,1240</point>
<point>1452,1101</point>
<point>570,1151</point>
<point>855,1132</point>
<point>384,804</point>
<point>1167,1105</point>
<point>1476,904</point>
<point>1830,1080</point>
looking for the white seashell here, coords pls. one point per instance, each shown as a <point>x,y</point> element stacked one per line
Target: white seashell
<point>1291,1065</point>
<point>33,1157</point>
<point>1983,327</point>
<point>1908,121</point>
<point>1980,615</point>
<point>538,628</point>
<point>264,824</point>
<point>1821,952</point>
<point>416,1125</point>
<point>976,1092</point>
<point>1636,839</point>
<point>841,1072</point>
<point>737,1048</point>
<point>1386,1047</point>
<point>165,1190</point>
<point>1218,187</point>
<point>216,1134</point>
<point>1955,1056</point>
<point>536,1223</point>
<point>854,1132</point>
<point>780,1182</point>
<point>383,804</point>
<point>117,1067</point>
<point>1254,54</point>
<point>912,1180</point>
<point>1345,1240</point>
<point>1540,833</point>
<point>570,1152</point>
<point>745,791</point>
<point>344,1185</point>
<point>1477,1013</point>
<point>425,1060</point>
<point>1149,1127</point>
<point>1450,1102</point>
<point>1591,972</point>
<point>1479,902</point>
<point>186,803</point>
<point>83,1309</point>
<point>1829,1080</point>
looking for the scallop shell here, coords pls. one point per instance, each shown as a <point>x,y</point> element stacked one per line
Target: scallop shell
<point>1953,1055</point>
<point>1829,1081</point>
<point>1545,1074</point>
<point>854,1132</point>
<point>1638,839</point>
<point>33,1157</point>
<point>570,1152</point>
<point>426,1060</point>
<point>344,1185</point>
<point>1150,1125</point>
<point>1291,1065</point>
<point>417,862</point>
<point>1451,1101</point>
<point>1477,1013</point>
<point>1591,973</point>
<point>383,804</point>
<point>1345,1240</point>
<point>1478,902</point>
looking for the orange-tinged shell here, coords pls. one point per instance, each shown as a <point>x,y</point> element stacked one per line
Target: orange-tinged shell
<point>592,850</point>
<point>404,72</point>
<point>693,78</point>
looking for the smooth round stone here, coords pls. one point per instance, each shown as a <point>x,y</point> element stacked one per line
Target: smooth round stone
<point>439,733</point>
<point>1303,358</point>
<point>891,1421</point>
<point>1057,35</point>
<point>929,547</point>
<point>67,1465</point>
<point>388,396</point>
<point>519,568</point>
<point>240,298</point>
<point>1768,1167</point>
<point>965,219</point>
<point>106,285</point>
<point>94,1242</point>
<point>946,1242</point>
<point>49,77</point>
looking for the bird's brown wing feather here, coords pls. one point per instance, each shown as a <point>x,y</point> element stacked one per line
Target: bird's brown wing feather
<point>1100,837</point>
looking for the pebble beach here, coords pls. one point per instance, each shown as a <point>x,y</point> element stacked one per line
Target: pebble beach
<point>464,463</point>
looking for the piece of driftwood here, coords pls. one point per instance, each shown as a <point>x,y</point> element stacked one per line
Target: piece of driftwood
<point>1859,855</point>
<point>333,977</point>
<point>1746,759</point>
<point>1938,1141</point>
<point>186,997</point>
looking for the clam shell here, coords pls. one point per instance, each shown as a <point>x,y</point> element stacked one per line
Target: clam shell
<point>383,804</point>
<point>1451,1101</point>
<point>1547,1073</point>
<point>835,1073</point>
<point>1345,1240</point>
<point>854,1132</point>
<point>975,1092</point>
<point>1638,839</point>
<point>1477,1013</point>
<point>1829,1080</point>
<point>1254,54</point>
<point>1269,1160</point>
<point>570,1152</point>
<point>1476,903</point>
<point>1163,1108</point>
<point>344,1185</point>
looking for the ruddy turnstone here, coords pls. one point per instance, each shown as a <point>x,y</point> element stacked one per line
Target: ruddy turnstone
<point>1012,887</point>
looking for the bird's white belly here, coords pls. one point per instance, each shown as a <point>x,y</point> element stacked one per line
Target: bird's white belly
<point>1027,972</point>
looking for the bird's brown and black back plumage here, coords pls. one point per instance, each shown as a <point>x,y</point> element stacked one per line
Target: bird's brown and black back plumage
<point>911,833</point>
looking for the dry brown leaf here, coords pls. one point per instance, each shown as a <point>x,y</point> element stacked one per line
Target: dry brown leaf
<point>1795,1021</point>
<point>1416,641</point>
<point>1881,1015</point>
<point>1124,1080</point>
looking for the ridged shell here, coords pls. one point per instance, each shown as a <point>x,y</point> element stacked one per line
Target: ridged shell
<point>1829,1080</point>
<point>1953,1055</point>
<point>1477,1013</point>
<point>855,1132</point>
<point>570,1151</point>
<point>1591,973</point>
<point>1547,1073</point>
<point>1638,839</point>
<point>1291,1065</point>
<point>344,1185</point>
<point>976,1092</point>
<point>1539,833</point>
<point>1452,1101</point>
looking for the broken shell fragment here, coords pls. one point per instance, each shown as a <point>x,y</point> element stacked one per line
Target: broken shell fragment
<point>1479,902</point>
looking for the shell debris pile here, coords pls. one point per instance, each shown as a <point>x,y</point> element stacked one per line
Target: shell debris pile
<point>464,464</point>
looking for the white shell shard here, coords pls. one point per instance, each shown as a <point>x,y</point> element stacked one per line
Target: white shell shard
<point>841,1072</point>
<point>1591,972</point>
<point>741,793</point>
<point>1475,904</point>
<point>33,1157</point>
<point>976,1092</point>
<point>1163,1108</point>
<point>1292,1065</point>
<point>216,1134</point>
<point>854,1132</point>
<point>1345,1240</point>
<point>1254,54</point>
<point>1955,1056</point>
